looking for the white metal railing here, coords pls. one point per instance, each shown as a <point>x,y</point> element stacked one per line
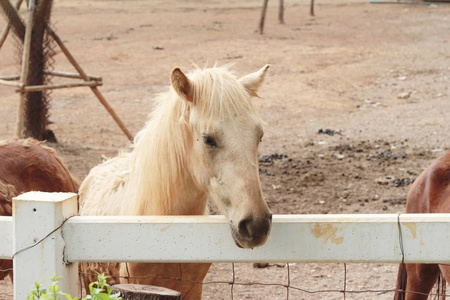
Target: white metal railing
<point>294,238</point>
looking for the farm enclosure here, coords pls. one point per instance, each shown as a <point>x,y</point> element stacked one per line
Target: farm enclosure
<point>378,73</point>
<point>65,239</point>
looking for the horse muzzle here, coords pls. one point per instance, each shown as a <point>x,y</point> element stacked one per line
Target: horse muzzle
<point>251,231</point>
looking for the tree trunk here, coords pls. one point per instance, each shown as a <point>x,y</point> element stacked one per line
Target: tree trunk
<point>263,17</point>
<point>37,103</point>
<point>281,12</point>
<point>145,292</point>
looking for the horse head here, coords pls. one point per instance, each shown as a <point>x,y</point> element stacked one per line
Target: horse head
<point>225,133</point>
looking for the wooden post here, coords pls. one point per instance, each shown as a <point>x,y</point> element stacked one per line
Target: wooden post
<point>311,9</point>
<point>263,17</point>
<point>11,83</point>
<point>13,19</point>
<point>18,28</point>
<point>281,12</point>
<point>24,72</point>
<point>4,35</point>
<point>36,88</point>
<point>10,77</point>
<point>85,77</point>
<point>8,27</point>
<point>72,75</point>
<point>145,292</point>
<point>38,247</point>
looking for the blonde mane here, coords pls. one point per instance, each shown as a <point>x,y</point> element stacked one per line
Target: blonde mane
<point>167,137</point>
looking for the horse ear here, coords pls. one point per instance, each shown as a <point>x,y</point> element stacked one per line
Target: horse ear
<point>253,81</point>
<point>181,84</point>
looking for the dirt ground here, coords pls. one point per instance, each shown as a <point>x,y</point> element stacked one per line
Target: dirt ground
<point>356,105</point>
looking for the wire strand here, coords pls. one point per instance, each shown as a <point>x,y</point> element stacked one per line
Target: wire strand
<point>42,239</point>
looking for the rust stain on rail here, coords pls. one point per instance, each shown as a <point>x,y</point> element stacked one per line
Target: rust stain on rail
<point>412,227</point>
<point>327,232</point>
<point>165,228</point>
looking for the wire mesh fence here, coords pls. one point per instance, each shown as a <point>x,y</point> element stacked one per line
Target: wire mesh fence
<point>234,282</point>
<point>39,66</point>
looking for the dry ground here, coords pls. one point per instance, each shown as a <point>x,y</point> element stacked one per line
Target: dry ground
<point>342,70</point>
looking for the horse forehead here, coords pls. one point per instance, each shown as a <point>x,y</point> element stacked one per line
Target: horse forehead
<point>246,123</point>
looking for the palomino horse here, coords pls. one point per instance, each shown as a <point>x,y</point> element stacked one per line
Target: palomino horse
<point>430,193</point>
<point>28,165</point>
<point>201,142</point>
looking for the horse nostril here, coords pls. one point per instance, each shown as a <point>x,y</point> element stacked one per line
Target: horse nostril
<point>255,230</point>
<point>245,228</point>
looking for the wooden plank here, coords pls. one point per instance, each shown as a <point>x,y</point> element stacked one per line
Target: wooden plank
<point>72,75</point>
<point>11,83</point>
<point>36,88</point>
<point>5,31</point>
<point>10,77</point>
<point>85,77</point>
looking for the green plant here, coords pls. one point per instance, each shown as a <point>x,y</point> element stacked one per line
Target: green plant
<point>99,290</point>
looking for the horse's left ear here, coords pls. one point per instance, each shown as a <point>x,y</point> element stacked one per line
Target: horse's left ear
<point>253,81</point>
<point>181,84</point>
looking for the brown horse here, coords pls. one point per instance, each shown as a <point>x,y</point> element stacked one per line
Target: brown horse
<point>430,193</point>
<point>29,165</point>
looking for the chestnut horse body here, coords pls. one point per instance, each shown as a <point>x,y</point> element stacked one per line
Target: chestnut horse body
<point>28,165</point>
<point>430,193</point>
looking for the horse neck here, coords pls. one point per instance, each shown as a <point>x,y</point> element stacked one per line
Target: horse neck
<point>162,170</point>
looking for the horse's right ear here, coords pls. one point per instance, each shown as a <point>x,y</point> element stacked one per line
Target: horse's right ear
<point>182,85</point>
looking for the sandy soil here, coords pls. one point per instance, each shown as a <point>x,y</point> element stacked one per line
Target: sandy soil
<point>377,76</point>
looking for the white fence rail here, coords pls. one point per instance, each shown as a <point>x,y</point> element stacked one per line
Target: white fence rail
<point>294,238</point>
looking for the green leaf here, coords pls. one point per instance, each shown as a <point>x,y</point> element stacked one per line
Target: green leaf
<point>54,289</point>
<point>108,289</point>
<point>102,297</point>
<point>91,286</point>
<point>68,297</point>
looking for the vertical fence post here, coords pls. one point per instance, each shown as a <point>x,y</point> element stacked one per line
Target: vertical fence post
<point>35,215</point>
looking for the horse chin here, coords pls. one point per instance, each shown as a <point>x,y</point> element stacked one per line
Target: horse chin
<point>237,243</point>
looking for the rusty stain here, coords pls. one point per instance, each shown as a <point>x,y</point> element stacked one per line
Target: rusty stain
<point>165,228</point>
<point>327,232</point>
<point>412,227</point>
<point>219,242</point>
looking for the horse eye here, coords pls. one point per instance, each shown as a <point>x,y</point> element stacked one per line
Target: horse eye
<point>209,141</point>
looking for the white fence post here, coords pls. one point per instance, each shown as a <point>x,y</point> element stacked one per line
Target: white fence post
<point>35,215</point>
